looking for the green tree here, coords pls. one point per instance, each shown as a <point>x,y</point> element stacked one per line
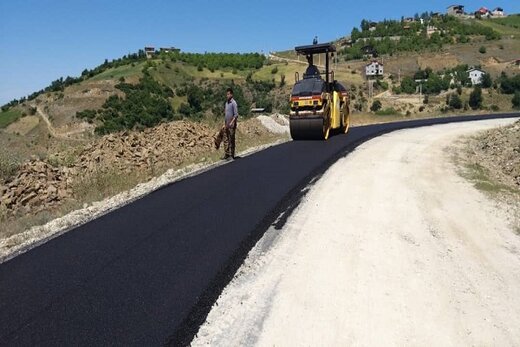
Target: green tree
<point>475,98</point>
<point>195,98</point>
<point>486,81</point>
<point>408,85</point>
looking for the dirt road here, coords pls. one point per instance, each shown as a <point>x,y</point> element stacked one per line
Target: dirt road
<point>390,247</point>
<point>82,127</point>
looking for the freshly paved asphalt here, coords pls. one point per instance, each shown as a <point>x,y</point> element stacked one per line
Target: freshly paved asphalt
<point>148,273</point>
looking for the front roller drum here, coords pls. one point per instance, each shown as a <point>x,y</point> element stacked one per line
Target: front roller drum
<point>308,129</point>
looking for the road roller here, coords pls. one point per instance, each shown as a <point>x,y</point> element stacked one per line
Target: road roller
<point>319,104</point>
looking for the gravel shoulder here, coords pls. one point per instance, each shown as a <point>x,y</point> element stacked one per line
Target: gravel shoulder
<point>390,247</point>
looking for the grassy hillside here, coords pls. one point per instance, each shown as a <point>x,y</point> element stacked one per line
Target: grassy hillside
<point>9,116</point>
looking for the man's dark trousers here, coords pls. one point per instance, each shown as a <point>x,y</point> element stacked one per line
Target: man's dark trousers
<point>229,141</point>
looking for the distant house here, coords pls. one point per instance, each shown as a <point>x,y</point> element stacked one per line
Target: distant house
<point>482,12</point>
<point>374,69</point>
<point>372,26</point>
<point>169,49</point>
<point>498,12</point>
<point>369,51</point>
<point>149,51</point>
<point>409,20</point>
<point>345,42</point>
<point>475,75</point>
<point>455,10</point>
<point>436,14</point>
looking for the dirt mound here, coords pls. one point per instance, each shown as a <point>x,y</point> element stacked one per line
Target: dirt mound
<point>491,61</point>
<point>42,184</point>
<point>38,185</point>
<point>498,151</point>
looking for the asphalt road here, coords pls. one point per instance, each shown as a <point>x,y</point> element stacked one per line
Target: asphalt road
<point>148,273</point>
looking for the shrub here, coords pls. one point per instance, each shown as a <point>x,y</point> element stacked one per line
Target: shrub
<point>486,81</point>
<point>382,84</point>
<point>408,85</point>
<point>387,112</point>
<point>516,100</point>
<point>475,98</point>
<point>455,102</point>
<point>376,106</point>
<point>274,70</point>
<point>509,85</point>
<point>482,49</point>
<point>9,165</point>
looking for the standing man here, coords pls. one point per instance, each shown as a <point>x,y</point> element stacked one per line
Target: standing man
<point>230,123</point>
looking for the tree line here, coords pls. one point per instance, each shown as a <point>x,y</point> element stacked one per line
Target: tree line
<point>219,61</point>
<point>212,61</point>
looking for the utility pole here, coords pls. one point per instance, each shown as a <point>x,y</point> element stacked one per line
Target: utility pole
<point>370,88</point>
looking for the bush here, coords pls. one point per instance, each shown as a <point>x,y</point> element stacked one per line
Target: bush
<point>274,70</point>
<point>408,85</point>
<point>376,106</point>
<point>9,165</point>
<point>475,98</point>
<point>184,109</point>
<point>482,49</point>
<point>509,85</point>
<point>486,81</point>
<point>387,112</point>
<point>382,84</point>
<point>516,100</point>
<point>455,102</point>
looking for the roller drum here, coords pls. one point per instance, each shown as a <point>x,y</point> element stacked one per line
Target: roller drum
<point>307,128</point>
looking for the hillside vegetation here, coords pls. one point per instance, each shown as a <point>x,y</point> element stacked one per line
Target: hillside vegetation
<point>392,36</point>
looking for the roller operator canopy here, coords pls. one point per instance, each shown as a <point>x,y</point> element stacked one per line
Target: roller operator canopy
<point>315,49</point>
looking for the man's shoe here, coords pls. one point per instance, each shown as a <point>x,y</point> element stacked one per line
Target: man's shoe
<point>226,157</point>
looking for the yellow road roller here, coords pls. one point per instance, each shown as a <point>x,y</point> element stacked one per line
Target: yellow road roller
<point>319,103</point>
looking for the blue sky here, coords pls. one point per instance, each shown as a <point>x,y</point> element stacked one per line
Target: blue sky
<point>43,40</point>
